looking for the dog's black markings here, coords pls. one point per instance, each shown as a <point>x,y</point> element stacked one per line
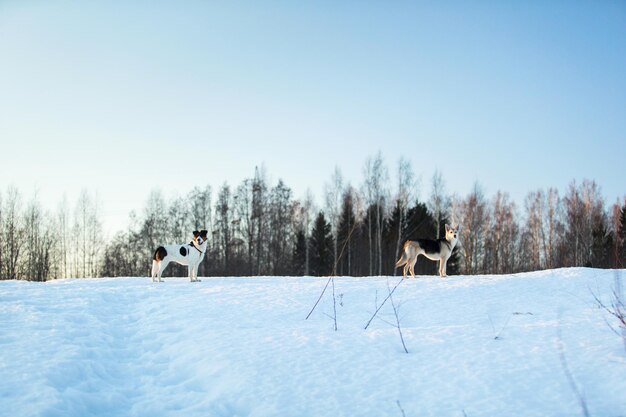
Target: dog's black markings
<point>194,246</point>
<point>160,254</point>
<point>430,246</point>
<point>183,251</point>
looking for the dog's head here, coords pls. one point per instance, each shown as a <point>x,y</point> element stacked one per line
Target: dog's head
<point>452,233</point>
<point>200,237</point>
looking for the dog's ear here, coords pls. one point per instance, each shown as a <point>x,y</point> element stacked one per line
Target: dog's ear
<point>203,234</point>
<point>196,233</point>
<point>447,228</point>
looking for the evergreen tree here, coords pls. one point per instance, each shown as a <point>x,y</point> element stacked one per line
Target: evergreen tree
<point>397,222</point>
<point>622,238</point>
<point>280,231</point>
<point>346,236</point>
<point>601,247</point>
<point>299,255</point>
<point>421,225</point>
<point>321,247</point>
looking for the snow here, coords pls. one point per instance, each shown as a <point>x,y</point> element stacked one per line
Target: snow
<point>478,346</point>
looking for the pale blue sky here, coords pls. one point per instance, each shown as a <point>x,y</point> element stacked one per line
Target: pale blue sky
<point>124,96</point>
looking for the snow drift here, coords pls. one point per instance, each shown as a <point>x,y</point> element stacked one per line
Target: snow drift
<point>478,346</point>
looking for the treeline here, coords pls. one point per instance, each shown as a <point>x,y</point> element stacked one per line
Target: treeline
<point>258,228</point>
<point>38,244</point>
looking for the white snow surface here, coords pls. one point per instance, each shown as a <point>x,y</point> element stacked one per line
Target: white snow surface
<point>478,346</point>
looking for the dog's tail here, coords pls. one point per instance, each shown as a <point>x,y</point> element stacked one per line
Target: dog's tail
<point>401,261</point>
<point>404,258</point>
<point>159,254</point>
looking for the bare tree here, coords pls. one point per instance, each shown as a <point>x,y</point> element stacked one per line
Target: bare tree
<point>376,195</point>
<point>584,209</point>
<point>88,238</point>
<point>501,241</point>
<point>280,232</point>
<point>12,234</point>
<point>554,226</point>
<point>472,214</point>
<point>32,223</point>
<point>199,206</point>
<point>252,220</point>
<point>542,231</point>
<point>1,238</point>
<point>406,192</point>
<point>621,235</point>
<point>223,208</point>
<point>302,219</point>
<point>96,238</point>
<point>259,219</point>
<point>245,226</point>
<point>179,223</point>
<point>309,215</point>
<point>40,237</point>
<point>333,193</point>
<point>153,230</point>
<point>439,202</point>
<point>64,236</point>
<point>534,240</point>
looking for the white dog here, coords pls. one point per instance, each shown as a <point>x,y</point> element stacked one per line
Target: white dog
<point>436,250</point>
<point>190,255</point>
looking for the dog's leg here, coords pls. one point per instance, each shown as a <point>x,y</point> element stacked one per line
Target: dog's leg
<point>193,272</point>
<point>412,267</point>
<point>154,270</point>
<point>442,267</point>
<point>162,266</point>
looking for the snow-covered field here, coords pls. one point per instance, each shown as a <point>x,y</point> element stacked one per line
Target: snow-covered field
<point>478,346</point>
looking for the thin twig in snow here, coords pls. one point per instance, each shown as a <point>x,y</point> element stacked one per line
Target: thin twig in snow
<point>502,329</point>
<point>334,303</point>
<point>382,304</point>
<point>569,376</point>
<point>617,308</point>
<point>395,312</point>
<point>400,407</point>
<point>331,279</point>
<point>493,328</point>
<point>318,300</point>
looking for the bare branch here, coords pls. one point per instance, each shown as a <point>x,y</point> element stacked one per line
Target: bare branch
<point>395,312</point>
<point>320,297</point>
<point>382,304</point>
<point>569,376</point>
